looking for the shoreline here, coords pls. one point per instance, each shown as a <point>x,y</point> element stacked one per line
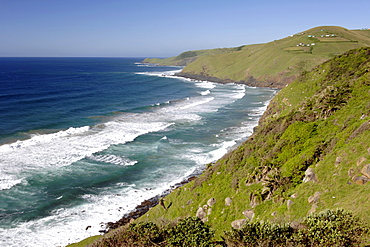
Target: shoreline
<point>146,205</point>
<point>251,82</point>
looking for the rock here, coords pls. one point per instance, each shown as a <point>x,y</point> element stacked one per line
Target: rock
<point>310,176</point>
<point>211,201</point>
<point>315,198</point>
<point>248,213</point>
<point>238,224</point>
<point>289,203</point>
<point>201,213</point>
<point>228,201</point>
<point>337,161</point>
<point>313,208</point>
<point>361,161</point>
<point>361,180</point>
<point>255,200</point>
<point>351,172</point>
<point>366,170</point>
<point>295,195</point>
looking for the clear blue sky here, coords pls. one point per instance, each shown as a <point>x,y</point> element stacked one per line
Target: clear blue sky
<point>161,28</point>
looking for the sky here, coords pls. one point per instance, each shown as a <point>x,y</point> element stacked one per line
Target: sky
<point>161,28</point>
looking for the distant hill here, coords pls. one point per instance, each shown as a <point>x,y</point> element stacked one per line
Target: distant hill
<point>272,64</point>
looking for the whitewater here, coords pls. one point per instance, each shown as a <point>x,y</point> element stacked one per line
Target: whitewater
<point>83,141</point>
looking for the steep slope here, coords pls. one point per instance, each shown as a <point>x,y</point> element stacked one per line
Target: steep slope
<point>273,64</point>
<point>310,152</point>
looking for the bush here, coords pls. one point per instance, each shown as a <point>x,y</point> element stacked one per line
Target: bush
<point>190,231</point>
<point>331,228</point>
<point>259,233</point>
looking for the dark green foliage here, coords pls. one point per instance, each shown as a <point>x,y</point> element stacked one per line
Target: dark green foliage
<point>190,232</point>
<point>259,233</point>
<point>328,228</point>
<point>331,228</point>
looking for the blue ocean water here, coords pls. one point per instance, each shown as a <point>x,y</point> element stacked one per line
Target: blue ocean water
<point>85,140</point>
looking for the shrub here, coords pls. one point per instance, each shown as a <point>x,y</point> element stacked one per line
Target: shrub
<point>190,231</point>
<point>259,233</point>
<point>331,228</point>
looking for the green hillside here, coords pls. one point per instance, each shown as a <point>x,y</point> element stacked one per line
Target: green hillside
<point>318,124</point>
<point>309,153</point>
<point>272,64</point>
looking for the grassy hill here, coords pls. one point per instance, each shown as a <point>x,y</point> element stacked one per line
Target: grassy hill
<point>272,64</point>
<point>309,153</point>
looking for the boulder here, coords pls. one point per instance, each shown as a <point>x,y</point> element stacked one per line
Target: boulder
<point>361,161</point>
<point>366,170</point>
<point>228,201</point>
<point>238,224</point>
<point>337,161</point>
<point>313,208</point>
<point>201,213</point>
<point>315,198</point>
<point>289,203</point>
<point>361,180</point>
<point>310,176</point>
<point>211,201</point>
<point>248,213</point>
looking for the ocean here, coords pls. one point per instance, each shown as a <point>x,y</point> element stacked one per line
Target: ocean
<point>85,140</point>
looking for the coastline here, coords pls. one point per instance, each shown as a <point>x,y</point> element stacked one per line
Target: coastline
<point>147,204</point>
<point>251,82</point>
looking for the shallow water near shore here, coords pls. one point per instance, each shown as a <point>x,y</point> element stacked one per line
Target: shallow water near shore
<point>85,140</point>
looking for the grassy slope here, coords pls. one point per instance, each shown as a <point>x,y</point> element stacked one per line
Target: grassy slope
<point>321,121</point>
<point>278,62</point>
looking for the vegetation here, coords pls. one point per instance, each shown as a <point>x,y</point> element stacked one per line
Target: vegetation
<point>309,153</point>
<point>329,228</point>
<point>272,64</point>
<point>187,232</point>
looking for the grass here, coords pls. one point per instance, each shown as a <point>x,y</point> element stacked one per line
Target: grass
<point>303,127</point>
<point>85,242</point>
<point>275,63</point>
<point>321,121</point>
